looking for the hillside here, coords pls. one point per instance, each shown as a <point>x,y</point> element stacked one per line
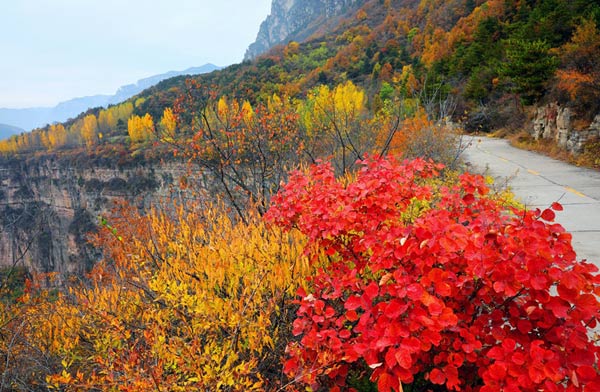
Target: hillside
<point>492,62</point>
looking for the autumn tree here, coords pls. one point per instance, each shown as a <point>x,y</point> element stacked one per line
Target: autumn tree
<point>580,72</point>
<point>247,150</point>
<point>89,130</point>
<point>334,124</point>
<point>107,121</point>
<point>168,123</point>
<point>140,128</point>
<point>54,137</point>
<point>435,287</point>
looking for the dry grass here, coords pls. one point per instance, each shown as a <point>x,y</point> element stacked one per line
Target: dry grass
<point>590,158</point>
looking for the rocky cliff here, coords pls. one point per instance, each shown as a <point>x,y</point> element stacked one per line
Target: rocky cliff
<point>555,122</point>
<point>48,207</point>
<point>296,20</point>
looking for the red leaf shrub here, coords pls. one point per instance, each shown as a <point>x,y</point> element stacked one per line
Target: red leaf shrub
<point>442,283</point>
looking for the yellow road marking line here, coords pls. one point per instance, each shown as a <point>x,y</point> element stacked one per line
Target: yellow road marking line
<point>575,191</point>
<point>533,172</point>
<point>504,160</point>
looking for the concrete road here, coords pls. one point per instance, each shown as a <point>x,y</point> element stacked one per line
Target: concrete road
<point>538,181</point>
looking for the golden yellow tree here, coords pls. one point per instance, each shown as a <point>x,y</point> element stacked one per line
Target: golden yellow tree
<point>89,130</point>
<point>334,124</point>
<point>168,123</point>
<point>140,129</point>
<point>57,136</point>
<point>106,120</point>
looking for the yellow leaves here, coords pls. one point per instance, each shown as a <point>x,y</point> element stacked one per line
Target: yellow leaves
<point>247,112</point>
<point>222,107</point>
<point>186,301</point>
<point>54,137</point>
<point>168,124</point>
<point>89,130</point>
<point>334,123</point>
<point>140,129</point>
<point>107,120</point>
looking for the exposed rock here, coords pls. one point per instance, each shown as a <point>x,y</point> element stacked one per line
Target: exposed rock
<point>296,20</point>
<point>47,208</point>
<point>555,122</point>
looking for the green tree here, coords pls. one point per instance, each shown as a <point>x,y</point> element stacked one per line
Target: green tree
<point>528,66</point>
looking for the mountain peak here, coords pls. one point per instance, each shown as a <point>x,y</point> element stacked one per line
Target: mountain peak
<point>296,20</point>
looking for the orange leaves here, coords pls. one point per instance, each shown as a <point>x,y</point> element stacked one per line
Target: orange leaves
<point>581,72</point>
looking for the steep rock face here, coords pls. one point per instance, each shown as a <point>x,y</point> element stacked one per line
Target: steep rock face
<point>554,122</point>
<point>47,208</point>
<point>296,20</point>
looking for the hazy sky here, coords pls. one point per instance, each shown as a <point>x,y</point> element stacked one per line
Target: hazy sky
<point>55,50</point>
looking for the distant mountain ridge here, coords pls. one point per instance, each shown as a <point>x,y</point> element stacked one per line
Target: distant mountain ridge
<point>7,131</point>
<point>30,118</point>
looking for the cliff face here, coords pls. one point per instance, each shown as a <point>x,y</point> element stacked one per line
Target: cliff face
<point>47,208</point>
<point>296,20</point>
<point>555,122</point>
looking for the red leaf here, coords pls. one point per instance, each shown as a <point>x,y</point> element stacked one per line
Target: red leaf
<point>290,366</point>
<point>518,358</point>
<point>404,359</point>
<point>548,215</point>
<point>586,373</point>
<point>557,206</point>
<point>497,371</point>
<point>351,315</point>
<point>437,377</point>
<point>345,334</point>
<point>582,357</point>
<point>558,306</point>
<point>469,199</point>
<point>352,303</point>
<point>395,309</point>
<point>387,382</point>
<point>371,291</point>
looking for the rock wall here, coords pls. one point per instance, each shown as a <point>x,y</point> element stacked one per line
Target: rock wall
<point>47,208</point>
<point>296,20</point>
<point>556,123</point>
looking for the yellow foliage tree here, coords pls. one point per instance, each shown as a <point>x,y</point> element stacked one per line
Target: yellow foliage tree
<point>334,123</point>
<point>107,120</point>
<point>187,299</point>
<point>168,123</point>
<point>140,129</point>
<point>57,136</point>
<point>89,130</point>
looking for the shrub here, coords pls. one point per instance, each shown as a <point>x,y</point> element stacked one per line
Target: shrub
<point>448,289</point>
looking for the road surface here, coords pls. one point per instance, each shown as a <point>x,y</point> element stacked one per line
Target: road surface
<point>538,181</point>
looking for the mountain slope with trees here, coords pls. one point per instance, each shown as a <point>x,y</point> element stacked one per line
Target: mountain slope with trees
<point>488,60</point>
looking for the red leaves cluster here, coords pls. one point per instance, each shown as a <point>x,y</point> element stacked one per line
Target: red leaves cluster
<point>448,284</point>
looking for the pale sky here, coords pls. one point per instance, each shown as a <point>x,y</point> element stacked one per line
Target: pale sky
<point>55,50</point>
